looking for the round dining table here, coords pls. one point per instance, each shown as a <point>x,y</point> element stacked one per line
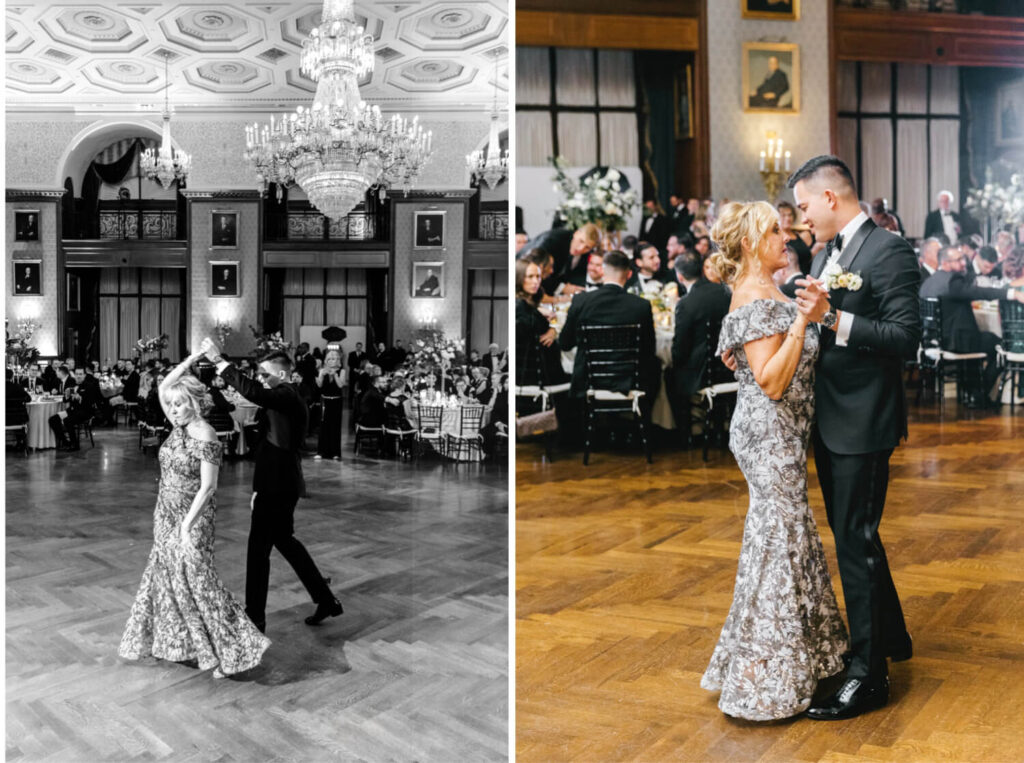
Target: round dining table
<point>451,424</point>
<point>40,436</point>
<point>243,415</point>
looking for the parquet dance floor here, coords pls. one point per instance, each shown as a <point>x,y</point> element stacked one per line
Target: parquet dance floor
<point>625,573</point>
<point>416,668</point>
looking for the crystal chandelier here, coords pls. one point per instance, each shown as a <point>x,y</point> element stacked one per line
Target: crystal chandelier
<point>340,147</point>
<point>166,165</point>
<point>491,167</point>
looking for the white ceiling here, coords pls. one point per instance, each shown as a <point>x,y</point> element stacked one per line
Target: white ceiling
<point>108,57</point>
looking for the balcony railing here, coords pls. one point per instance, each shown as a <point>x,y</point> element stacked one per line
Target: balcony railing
<point>160,225</point>
<point>493,226</point>
<point>310,225</point>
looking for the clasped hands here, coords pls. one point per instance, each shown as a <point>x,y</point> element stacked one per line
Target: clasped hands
<point>210,349</point>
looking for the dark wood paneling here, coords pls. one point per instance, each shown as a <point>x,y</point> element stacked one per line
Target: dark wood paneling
<point>928,38</point>
<point>618,31</point>
<point>638,7</point>
<point>115,254</point>
<point>284,258</point>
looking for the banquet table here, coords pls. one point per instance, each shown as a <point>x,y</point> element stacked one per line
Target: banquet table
<point>40,435</point>
<point>451,423</point>
<point>987,315</point>
<point>243,415</point>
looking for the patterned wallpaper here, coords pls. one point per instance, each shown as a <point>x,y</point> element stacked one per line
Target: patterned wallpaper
<point>42,309</point>
<point>409,311</point>
<point>34,150</point>
<point>239,312</point>
<point>737,137</point>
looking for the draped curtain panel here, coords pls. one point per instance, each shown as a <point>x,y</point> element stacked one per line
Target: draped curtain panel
<point>847,142</point>
<point>313,312</point>
<point>149,280</point>
<point>533,76</point>
<point>945,90</point>
<point>129,280</point>
<point>170,324</point>
<point>657,73</point>
<point>356,282</point>
<point>912,89</point>
<point>846,86</point>
<point>292,318</point>
<point>357,312</point>
<point>876,164</point>
<point>336,313</point>
<point>576,139</point>
<point>293,281</point>
<point>170,281</point>
<point>108,281</point>
<point>313,282</point>
<point>620,140</point>
<point>109,346</point>
<point>149,316</point>
<point>617,81</point>
<point>574,77</point>
<point>129,327</point>
<point>534,142</point>
<point>336,281</point>
<point>876,88</point>
<point>480,323</point>
<point>945,159</point>
<point>912,174</point>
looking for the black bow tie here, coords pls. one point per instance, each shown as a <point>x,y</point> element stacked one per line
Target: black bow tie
<point>837,243</point>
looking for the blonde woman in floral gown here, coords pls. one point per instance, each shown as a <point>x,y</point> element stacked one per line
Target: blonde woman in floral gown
<point>783,632</point>
<point>182,611</point>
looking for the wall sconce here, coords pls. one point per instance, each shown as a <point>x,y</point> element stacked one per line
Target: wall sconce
<point>428,322</point>
<point>773,166</point>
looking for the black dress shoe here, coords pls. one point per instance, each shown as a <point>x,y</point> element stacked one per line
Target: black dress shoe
<point>324,610</point>
<point>853,698</point>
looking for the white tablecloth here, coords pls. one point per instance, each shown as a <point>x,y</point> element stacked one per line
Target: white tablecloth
<point>244,414</point>
<point>987,316</point>
<point>39,433</point>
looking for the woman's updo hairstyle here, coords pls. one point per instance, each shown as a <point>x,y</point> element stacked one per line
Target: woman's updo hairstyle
<point>189,389</point>
<point>751,220</point>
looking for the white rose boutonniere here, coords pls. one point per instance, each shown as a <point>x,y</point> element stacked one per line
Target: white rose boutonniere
<point>837,278</point>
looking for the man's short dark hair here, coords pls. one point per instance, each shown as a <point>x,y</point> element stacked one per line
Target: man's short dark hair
<point>689,265</point>
<point>629,241</point>
<point>538,256</point>
<point>949,254</point>
<point>826,164</point>
<point>617,260</point>
<point>989,254</point>
<point>64,368</point>
<point>279,359</point>
<point>640,247</point>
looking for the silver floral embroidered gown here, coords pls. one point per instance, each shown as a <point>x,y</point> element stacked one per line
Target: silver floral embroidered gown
<point>182,610</point>
<point>783,632</point>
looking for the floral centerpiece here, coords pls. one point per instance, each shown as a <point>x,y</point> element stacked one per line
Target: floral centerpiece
<point>152,344</point>
<point>436,352</point>
<point>268,343</point>
<point>599,199</point>
<point>1000,201</point>
<point>19,345</point>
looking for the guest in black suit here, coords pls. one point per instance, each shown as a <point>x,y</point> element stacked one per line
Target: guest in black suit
<point>355,361</point>
<point>960,332</point>
<point>557,243</point>
<point>130,380</point>
<point>591,278</point>
<point>16,397</point>
<point>984,265</point>
<point>861,412</point>
<point>585,242</point>
<point>786,278</point>
<point>83,401</point>
<point>799,240</point>
<point>611,305</point>
<point>928,260</point>
<point>33,381</point>
<point>655,227</point>
<point>648,276</point>
<point>49,376</point>
<point>305,363</point>
<point>704,302</point>
<point>65,381</point>
<point>943,220</point>
<point>277,485</point>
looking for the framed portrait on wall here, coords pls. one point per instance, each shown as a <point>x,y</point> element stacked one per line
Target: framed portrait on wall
<point>1010,115</point>
<point>26,225</point>
<point>223,229</point>
<point>27,278</point>
<point>74,291</point>
<point>776,10</point>
<point>684,102</point>
<point>428,280</point>
<point>429,230</point>
<point>224,279</point>
<point>771,77</point>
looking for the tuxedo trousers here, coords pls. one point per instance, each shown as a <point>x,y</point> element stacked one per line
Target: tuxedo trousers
<point>854,488</point>
<point>273,526</point>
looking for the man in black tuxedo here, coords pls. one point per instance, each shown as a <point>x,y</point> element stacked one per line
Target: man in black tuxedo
<point>355,358</point>
<point>704,302</point>
<point>277,484</point>
<point>861,412</point>
<point>83,402</point>
<point>611,305</point>
<point>130,380</point>
<point>494,360</point>
<point>305,364</point>
<point>683,215</point>
<point>32,382</point>
<point>655,227</point>
<point>648,276</point>
<point>943,220</point>
<point>49,375</point>
<point>960,332</point>
<point>592,277</point>
<point>65,381</point>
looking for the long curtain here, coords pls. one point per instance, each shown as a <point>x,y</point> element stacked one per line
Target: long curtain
<point>170,315</point>
<point>129,327</point>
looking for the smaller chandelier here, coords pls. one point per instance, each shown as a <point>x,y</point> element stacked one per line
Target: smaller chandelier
<point>166,165</point>
<point>492,166</point>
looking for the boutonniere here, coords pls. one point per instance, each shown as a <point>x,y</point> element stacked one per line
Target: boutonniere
<point>838,278</point>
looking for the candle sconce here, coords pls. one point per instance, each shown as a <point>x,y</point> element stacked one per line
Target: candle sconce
<point>774,166</point>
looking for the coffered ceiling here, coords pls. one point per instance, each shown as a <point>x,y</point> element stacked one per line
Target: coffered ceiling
<point>100,57</point>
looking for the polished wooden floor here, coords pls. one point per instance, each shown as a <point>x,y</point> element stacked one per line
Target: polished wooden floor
<point>625,573</point>
<point>416,668</point>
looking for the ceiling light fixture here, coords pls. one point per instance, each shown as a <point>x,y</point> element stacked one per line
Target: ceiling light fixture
<point>166,165</point>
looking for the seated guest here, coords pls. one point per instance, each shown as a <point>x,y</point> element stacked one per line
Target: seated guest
<point>498,421</point>
<point>1013,267</point>
<point>83,402</point>
<point>704,302</point>
<point>495,360</point>
<point>785,278</point>
<point>131,380</point>
<point>532,326</point>
<point>65,381</point>
<point>370,411</point>
<point>398,405</point>
<point>153,413</point>
<point>960,332</point>
<point>702,245</point>
<point>611,305</point>
<point>474,358</point>
<point>480,384</point>
<point>585,242</point>
<point>629,244</point>
<point>928,257</point>
<point>49,375</point>
<point>589,279</point>
<point>32,381</point>
<point>462,390</point>
<point>15,411</point>
<point>647,277</point>
<point>545,262</point>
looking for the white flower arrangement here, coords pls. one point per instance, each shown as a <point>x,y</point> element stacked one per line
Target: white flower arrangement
<point>598,199</point>
<point>1001,199</point>
<point>838,278</point>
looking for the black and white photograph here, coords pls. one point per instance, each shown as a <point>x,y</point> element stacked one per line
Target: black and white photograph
<point>224,230</point>
<point>428,279</point>
<point>429,230</point>
<point>256,483</point>
<point>27,278</point>
<point>224,279</point>
<point>26,225</point>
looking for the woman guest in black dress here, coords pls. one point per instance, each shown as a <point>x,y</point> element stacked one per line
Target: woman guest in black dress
<point>331,381</point>
<point>799,240</point>
<point>531,327</point>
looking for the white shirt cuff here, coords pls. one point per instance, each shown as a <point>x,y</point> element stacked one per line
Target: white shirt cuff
<point>222,365</point>
<point>1009,293</point>
<point>843,329</point>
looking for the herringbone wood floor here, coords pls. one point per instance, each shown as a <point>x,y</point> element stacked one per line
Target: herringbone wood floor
<point>416,668</point>
<point>625,573</point>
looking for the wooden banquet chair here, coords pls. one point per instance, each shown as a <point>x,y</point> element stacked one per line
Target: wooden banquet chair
<point>938,364</point>
<point>718,381</point>
<point>1010,350</point>
<point>611,361</point>
<point>428,424</point>
<point>465,446</point>
<point>397,439</point>
<point>532,387</point>
<point>368,437</point>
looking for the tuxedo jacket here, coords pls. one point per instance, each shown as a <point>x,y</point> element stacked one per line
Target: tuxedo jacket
<point>611,306</point>
<point>49,378</point>
<point>706,301</point>
<point>860,403</point>
<point>355,358</point>
<point>131,386</point>
<point>556,243</point>
<point>681,221</point>
<point>960,332</point>
<point>933,224</point>
<point>26,384</point>
<point>278,463</point>
<point>658,232</point>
